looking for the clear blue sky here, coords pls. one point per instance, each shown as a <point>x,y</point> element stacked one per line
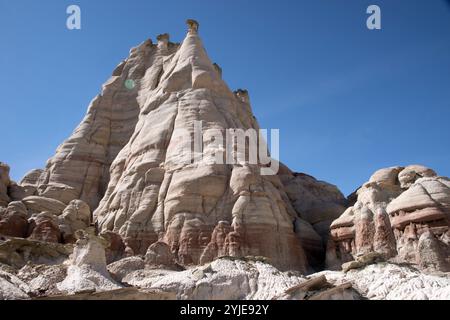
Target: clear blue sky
<point>347,100</point>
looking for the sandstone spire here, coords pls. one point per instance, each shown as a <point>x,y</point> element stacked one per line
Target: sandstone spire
<point>151,197</point>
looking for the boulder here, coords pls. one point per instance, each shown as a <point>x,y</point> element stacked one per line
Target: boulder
<point>37,204</point>
<point>14,220</point>
<point>121,268</point>
<point>76,216</point>
<point>159,254</point>
<point>411,173</point>
<point>44,227</point>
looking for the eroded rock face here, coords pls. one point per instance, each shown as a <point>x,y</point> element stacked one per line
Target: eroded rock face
<point>384,239</point>
<point>30,182</point>
<point>43,219</point>
<point>410,174</point>
<point>393,210</point>
<point>424,206</point>
<point>317,204</point>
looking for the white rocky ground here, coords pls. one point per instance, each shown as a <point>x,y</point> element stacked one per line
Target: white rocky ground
<point>222,279</point>
<point>238,279</point>
<point>385,281</point>
<point>11,287</point>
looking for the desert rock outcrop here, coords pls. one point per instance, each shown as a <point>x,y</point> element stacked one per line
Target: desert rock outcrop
<point>401,213</point>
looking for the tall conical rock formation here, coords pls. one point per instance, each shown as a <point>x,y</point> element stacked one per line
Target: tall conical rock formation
<point>152,196</point>
<point>126,160</point>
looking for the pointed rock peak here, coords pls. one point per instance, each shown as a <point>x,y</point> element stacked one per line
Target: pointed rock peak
<point>192,68</point>
<point>193,25</point>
